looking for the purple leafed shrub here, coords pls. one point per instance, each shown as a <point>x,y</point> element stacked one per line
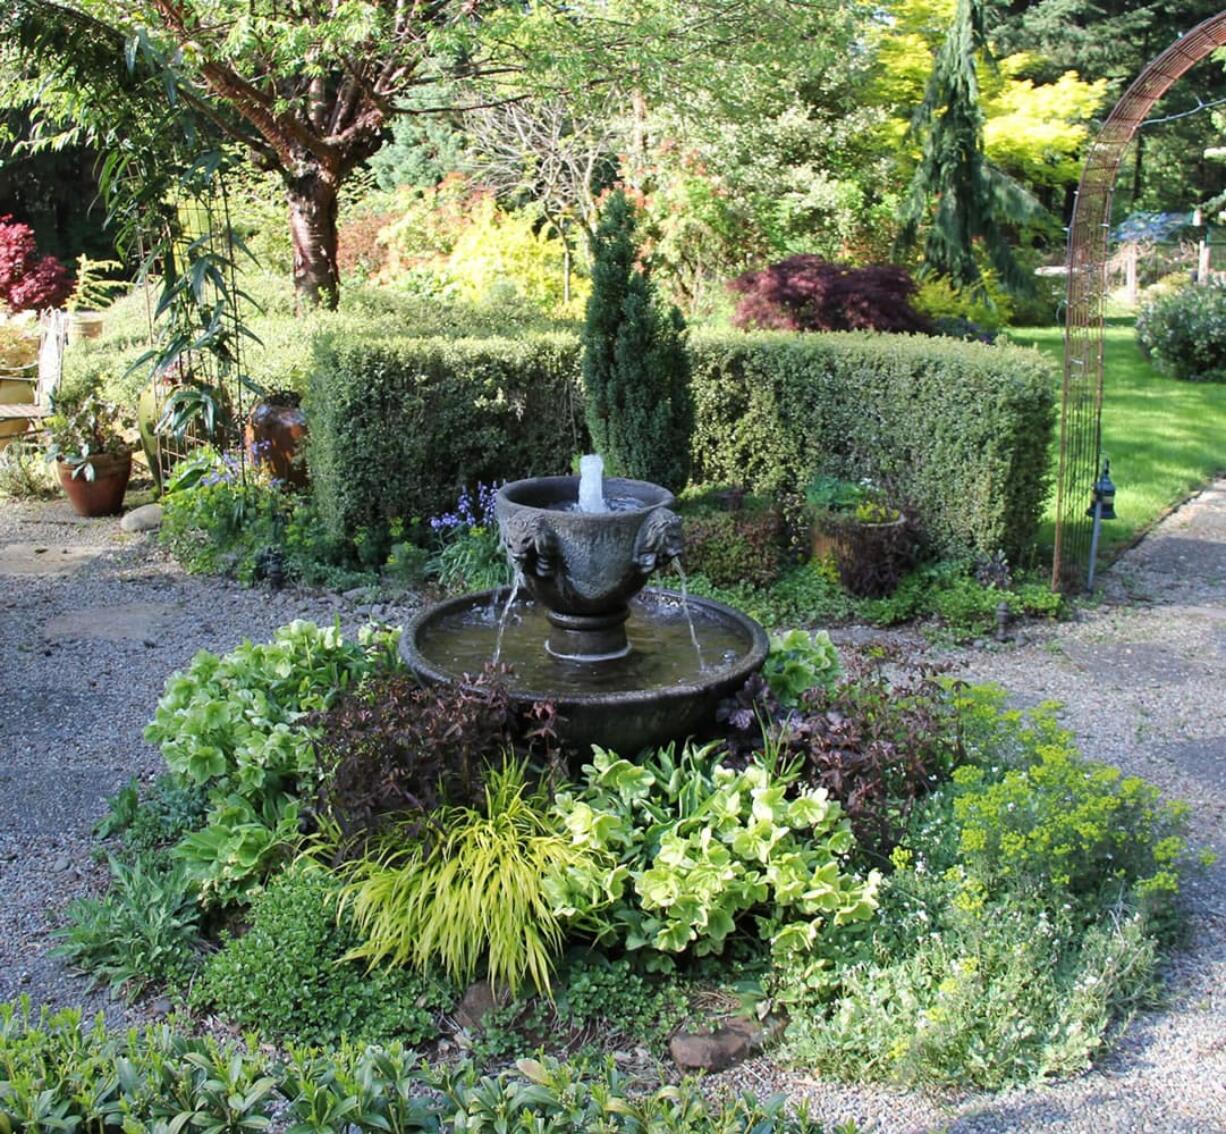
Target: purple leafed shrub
<point>28,281</point>
<point>807,293</point>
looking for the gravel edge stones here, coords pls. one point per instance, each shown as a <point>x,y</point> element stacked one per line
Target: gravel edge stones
<point>85,647</point>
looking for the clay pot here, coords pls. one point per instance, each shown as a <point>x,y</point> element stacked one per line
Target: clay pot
<point>275,434</point>
<point>84,325</point>
<point>102,496</point>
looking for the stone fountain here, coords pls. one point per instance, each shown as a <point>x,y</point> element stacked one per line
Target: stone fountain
<point>626,667</point>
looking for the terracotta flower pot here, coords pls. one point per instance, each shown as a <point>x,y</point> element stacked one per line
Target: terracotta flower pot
<point>102,496</point>
<point>276,433</point>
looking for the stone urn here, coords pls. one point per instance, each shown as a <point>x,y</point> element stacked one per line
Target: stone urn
<point>585,567</point>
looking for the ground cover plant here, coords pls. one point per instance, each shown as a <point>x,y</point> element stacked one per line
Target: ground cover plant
<point>57,1073</point>
<point>868,835</point>
<point>959,599</point>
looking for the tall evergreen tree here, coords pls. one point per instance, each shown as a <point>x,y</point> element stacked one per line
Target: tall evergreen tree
<point>636,373</point>
<point>973,199</point>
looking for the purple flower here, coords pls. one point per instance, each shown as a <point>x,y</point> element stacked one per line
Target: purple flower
<point>469,512</point>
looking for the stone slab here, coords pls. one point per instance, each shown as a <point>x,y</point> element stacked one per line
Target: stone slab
<point>128,622</point>
<point>44,560</point>
<point>1124,665</point>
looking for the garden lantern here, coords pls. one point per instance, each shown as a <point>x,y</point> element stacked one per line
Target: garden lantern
<point>1102,507</point>
<point>1104,495</point>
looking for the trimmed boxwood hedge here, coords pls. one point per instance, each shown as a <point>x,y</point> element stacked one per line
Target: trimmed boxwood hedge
<point>398,425</point>
<point>962,430</point>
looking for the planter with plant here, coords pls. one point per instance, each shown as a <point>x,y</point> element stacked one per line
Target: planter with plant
<point>868,537</point>
<point>92,291</point>
<point>275,435</point>
<point>88,444</point>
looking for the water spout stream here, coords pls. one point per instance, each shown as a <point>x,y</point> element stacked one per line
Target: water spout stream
<point>689,618</point>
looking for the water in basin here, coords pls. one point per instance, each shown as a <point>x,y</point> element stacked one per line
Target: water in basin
<point>662,647</point>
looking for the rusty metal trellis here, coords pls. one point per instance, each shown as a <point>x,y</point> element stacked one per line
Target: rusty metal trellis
<point>200,219</point>
<point>1081,413</point>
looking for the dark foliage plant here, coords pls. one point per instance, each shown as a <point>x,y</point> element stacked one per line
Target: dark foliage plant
<point>394,748</point>
<point>807,293</point>
<point>733,547</point>
<point>878,741</point>
<point>28,281</point>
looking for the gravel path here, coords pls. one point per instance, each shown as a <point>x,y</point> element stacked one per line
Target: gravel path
<point>94,620</point>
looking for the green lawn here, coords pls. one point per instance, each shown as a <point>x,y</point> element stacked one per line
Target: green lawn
<point>1165,439</point>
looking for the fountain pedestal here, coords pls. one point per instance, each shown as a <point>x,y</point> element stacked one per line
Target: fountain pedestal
<point>591,638</point>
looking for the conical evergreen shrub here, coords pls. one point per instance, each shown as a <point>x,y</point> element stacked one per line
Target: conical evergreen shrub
<point>636,372</point>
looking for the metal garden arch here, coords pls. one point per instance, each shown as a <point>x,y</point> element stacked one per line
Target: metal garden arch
<point>1081,412</point>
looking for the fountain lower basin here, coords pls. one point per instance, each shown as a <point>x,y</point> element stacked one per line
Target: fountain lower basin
<point>657,693</point>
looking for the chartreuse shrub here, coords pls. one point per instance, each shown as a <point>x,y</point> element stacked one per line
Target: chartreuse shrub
<point>1024,919</point>
<point>498,885</point>
<point>285,976</point>
<point>398,425</point>
<point>56,1074</point>
<point>234,727</point>
<point>961,430</point>
<point>700,847</point>
<point>1185,333</point>
<point>730,547</point>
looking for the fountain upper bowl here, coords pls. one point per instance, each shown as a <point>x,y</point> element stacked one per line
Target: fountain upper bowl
<point>587,563</point>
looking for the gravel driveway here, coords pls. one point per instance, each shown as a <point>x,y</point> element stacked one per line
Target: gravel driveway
<point>94,620</point>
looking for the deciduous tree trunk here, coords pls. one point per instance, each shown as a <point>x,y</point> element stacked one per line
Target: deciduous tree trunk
<point>312,199</point>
